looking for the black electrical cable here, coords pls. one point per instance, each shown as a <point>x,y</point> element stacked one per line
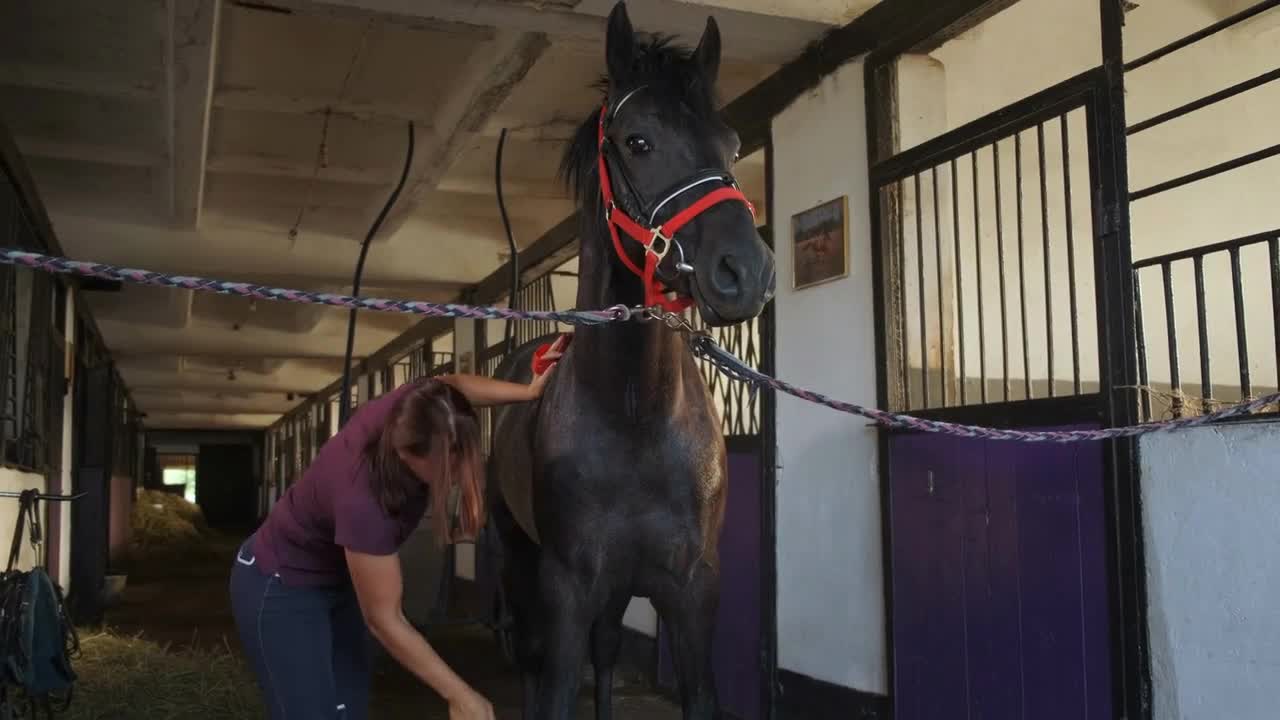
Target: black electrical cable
<point>439,614</point>
<point>511,241</point>
<point>344,401</point>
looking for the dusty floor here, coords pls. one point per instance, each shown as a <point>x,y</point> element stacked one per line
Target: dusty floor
<point>186,603</point>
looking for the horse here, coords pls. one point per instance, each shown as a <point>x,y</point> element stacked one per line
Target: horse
<point>613,484</point>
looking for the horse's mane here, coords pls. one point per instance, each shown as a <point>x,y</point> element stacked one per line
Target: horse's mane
<point>667,70</point>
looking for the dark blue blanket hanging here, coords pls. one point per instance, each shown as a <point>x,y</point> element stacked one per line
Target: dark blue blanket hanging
<point>37,639</point>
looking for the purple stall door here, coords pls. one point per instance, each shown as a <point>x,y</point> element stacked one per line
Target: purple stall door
<point>999,580</point>
<point>736,648</point>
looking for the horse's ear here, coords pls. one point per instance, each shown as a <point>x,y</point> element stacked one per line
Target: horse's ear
<point>619,44</point>
<point>708,53</point>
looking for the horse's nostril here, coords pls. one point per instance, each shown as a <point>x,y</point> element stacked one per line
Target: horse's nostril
<point>726,279</point>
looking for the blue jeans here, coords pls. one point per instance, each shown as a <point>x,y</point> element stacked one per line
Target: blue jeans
<point>308,647</point>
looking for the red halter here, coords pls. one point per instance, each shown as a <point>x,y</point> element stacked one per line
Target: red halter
<point>657,241</point>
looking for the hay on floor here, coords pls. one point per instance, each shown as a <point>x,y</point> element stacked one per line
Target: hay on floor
<point>167,525</point>
<point>129,677</point>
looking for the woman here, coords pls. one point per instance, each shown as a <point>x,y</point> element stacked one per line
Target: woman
<point>323,566</point>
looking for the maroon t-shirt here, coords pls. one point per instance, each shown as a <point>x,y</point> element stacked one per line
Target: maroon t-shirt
<point>333,507</point>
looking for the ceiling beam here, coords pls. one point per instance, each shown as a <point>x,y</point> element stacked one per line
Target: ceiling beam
<point>256,100</point>
<point>207,404</point>
<point>88,152</point>
<point>190,61</point>
<point>248,99</point>
<point>494,69</point>
<point>827,12</point>
<point>213,385</point>
<point>275,166</point>
<point>747,35</point>
<point>93,83</point>
<point>231,353</point>
<point>196,421</point>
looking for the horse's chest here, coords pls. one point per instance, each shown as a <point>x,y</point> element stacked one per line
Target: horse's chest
<point>656,457</point>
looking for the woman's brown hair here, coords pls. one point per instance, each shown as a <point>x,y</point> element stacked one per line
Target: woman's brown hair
<point>432,420</point>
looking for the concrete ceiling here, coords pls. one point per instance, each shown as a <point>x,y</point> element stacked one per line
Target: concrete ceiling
<point>258,140</point>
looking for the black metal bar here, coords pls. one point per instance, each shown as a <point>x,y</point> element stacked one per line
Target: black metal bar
<point>43,496</point>
<point>1274,249</point>
<point>1071,257</point>
<point>1040,412</point>
<point>982,312</point>
<point>943,351</point>
<point>1206,173</point>
<point>1203,250</point>
<point>955,209</point>
<point>902,298</point>
<point>1206,382</point>
<point>1242,338</point>
<point>1022,268</point>
<point>1048,272</point>
<point>1113,277</point>
<point>1175,376</point>
<point>1143,392</point>
<point>971,137</point>
<point>1199,35</point>
<point>1205,101</point>
<point>924,326</point>
<point>1004,306</point>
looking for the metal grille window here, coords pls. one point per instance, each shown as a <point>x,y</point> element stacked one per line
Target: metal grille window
<point>989,268</point>
<point>1208,315</point>
<point>1204,294</point>
<point>737,403</point>
<point>419,363</point>
<point>30,361</point>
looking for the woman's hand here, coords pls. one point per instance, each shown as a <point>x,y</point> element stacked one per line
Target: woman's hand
<point>551,357</point>
<point>471,706</point>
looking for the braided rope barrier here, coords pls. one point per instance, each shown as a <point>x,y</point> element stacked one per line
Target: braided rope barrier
<point>703,345</point>
<point>730,365</point>
<point>63,266</point>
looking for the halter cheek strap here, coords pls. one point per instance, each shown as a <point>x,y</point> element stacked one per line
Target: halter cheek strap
<point>657,241</point>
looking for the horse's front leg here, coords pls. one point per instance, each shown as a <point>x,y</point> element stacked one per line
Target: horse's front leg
<point>606,642</point>
<point>690,612</point>
<point>567,617</point>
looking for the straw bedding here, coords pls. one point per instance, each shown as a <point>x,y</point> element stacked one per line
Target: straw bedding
<point>129,677</point>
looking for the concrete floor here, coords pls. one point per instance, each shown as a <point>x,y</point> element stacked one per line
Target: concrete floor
<point>186,604</point>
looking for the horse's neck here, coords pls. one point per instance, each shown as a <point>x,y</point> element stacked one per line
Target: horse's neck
<point>638,367</point>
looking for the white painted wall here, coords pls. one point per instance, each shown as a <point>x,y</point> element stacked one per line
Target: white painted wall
<point>63,510</point>
<point>1210,502</point>
<point>830,580</point>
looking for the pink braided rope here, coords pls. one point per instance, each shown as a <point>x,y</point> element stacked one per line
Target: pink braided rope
<point>63,266</point>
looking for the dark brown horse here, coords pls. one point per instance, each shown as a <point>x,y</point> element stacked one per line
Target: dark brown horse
<point>613,485</point>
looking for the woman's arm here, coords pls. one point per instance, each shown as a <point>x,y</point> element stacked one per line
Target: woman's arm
<point>487,392</point>
<point>379,586</point>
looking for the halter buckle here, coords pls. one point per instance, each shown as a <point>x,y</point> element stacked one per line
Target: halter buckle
<point>658,253</point>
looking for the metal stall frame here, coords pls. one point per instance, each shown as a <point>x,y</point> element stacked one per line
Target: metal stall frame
<point>1101,93</point>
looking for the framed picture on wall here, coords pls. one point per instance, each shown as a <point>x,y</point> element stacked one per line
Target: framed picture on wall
<point>820,243</point>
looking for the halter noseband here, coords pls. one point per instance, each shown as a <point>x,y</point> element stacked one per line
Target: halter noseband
<point>657,240</point>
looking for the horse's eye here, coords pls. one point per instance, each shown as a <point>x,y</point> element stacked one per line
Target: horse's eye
<point>638,145</point>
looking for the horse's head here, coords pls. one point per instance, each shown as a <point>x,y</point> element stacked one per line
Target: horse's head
<point>664,156</point>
